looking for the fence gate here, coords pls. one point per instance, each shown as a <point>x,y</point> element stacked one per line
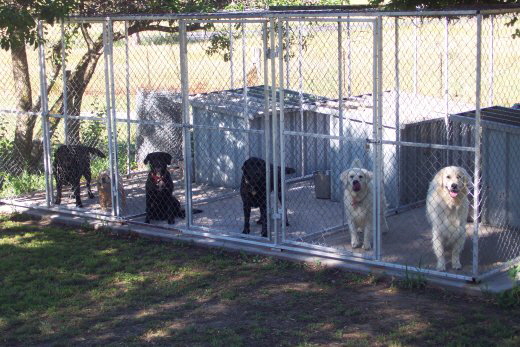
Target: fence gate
<point>226,111</point>
<point>328,118</point>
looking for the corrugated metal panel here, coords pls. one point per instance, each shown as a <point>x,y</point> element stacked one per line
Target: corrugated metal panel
<point>304,152</point>
<point>161,107</point>
<point>500,161</point>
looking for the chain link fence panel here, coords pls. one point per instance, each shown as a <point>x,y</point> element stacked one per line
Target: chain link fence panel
<point>186,114</point>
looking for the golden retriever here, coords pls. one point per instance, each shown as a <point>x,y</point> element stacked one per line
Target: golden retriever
<point>104,187</point>
<point>447,208</point>
<point>358,200</point>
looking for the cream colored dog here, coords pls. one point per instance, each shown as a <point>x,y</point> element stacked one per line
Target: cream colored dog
<point>358,200</point>
<point>104,187</point>
<point>447,207</point>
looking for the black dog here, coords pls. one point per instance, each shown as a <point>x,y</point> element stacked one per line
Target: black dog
<point>160,202</point>
<point>253,190</point>
<point>70,163</point>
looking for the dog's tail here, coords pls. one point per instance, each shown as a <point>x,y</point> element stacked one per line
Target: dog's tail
<point>182,212</point>
<point>95,151</point>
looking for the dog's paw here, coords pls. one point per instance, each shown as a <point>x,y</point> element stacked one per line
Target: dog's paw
<point>79,205</point>
<point>91,195</point>
<point>456,265</point>
<point>441,267</point>
<point>367,246</point>
<point>356,244</point>
<point>259,222</point>
<point>246,231</point>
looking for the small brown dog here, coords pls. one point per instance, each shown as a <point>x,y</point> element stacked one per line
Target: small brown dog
<point>104,186</point>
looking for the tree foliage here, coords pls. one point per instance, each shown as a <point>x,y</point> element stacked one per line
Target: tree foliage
<point>18,31</point>
<point>18,19</point>
<point>439,4</point>
<point>449,4</point>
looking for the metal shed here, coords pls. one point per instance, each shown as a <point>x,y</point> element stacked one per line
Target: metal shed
<point>306,118</point>
<point>242,113</point>
<point>500,146</point>
<point>159,127</point>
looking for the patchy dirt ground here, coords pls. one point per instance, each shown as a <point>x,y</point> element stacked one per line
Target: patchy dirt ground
<point>60,285</point>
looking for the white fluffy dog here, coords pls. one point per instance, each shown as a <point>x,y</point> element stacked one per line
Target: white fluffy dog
<point>447,207</point>
<point>358,200</point>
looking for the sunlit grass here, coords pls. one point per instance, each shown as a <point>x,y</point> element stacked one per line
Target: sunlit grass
<point>79,286</point>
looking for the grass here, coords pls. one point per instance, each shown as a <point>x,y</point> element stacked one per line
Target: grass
<point>77,286</point>
<point>25,182</point>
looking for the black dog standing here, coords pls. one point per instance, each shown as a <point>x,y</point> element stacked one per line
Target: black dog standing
<point>160,202</point>
<point>70,163</point>
<point>253,190</point>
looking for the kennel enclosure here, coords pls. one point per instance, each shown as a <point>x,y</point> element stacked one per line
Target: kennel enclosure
<point>407,93</point>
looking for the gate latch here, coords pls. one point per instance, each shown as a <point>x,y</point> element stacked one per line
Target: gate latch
<point>369,140</point>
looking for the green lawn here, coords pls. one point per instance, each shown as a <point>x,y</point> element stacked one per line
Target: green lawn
<point>77,286</point>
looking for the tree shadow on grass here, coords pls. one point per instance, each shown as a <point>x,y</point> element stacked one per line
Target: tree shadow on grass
<point>77,286</point>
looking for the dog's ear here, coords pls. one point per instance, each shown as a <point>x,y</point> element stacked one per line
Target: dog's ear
<point>147,159</point>
<point>369,174</point>
<point>344,177</point>
<point>438,178</point>
<point>466,178</point>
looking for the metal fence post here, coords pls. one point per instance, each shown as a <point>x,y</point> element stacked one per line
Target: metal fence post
<point>397,111</point>
<point>415,55</point>
<point>113,115</point>
<point>65,89</point>
<point>275,150</point>
<point>300,97</point>
<point>349,58</point>
<point>267,114</point>
<point>281,132</point>
<point>186,134</point>
<point>44,108</point>
<point>447,86</point>
<point>491,59</point>
<point>478,134</point>
<point>341,72</point>
<point>231,60</point>
<point>244,72</point>
<point>127,82</point>
<point>287,56</point>
<point>108,94</point>
<point>379,144</point>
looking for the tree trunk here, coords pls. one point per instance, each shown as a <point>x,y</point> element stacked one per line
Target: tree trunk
<point>77,83</point>
<point>23,138</point>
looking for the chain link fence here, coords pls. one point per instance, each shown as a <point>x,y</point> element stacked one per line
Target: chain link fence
<point>384,139</point>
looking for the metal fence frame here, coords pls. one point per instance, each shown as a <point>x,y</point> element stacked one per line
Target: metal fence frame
<point>274,63</point>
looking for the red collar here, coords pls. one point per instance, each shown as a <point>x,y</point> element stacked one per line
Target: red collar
<point>156,177</point>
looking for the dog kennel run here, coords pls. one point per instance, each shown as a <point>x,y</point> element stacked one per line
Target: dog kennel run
<point>310,90</point>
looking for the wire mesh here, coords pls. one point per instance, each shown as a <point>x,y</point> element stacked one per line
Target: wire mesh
<point>329,69</point>
<point>329,72</point>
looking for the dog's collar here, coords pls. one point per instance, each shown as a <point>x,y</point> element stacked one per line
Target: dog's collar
<point>156,177</point>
